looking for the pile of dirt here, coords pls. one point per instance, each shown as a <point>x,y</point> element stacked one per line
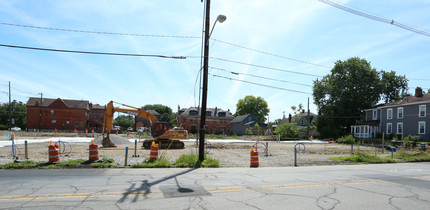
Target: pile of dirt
<point>116,139</point>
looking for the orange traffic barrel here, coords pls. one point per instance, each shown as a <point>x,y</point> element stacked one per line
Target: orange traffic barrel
<point>254,158</point>
<point>54,153</point>
<point>153,155</point>
<point>94,152</point>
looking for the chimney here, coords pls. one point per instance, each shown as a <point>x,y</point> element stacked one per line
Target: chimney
<point>418,92</point>
<point>216,109</point>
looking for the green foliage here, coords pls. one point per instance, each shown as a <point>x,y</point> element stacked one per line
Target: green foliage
<point>4,127</point>
<point>159,163</point>
<point>287,130</point>
<point>411,156</point>
<point>363,158</point>
<point>125,121</point>
<point>192,161</point>
<point>19,165</point>
<point>166,114</point>
<point>348,139</point>
<point>253,105</point>
<point>352,86</point>
<point>411,141</point>
<point>256,130</point>
<point>103,165</point>
<point>19,113</point>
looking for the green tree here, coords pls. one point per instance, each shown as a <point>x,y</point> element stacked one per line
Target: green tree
<point>19,114</point>
<point>166,114</point>
<point>125,121</point>
<point>352,86</point>
<point>253,105</point>
<point>287,130</point>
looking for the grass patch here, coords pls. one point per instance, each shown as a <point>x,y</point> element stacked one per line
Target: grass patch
<point>71,163</point>
<point>363,158</point>
<point>20,165</point>
<point>192,161</point>
<point>410,156</point>
<point>159,163</point>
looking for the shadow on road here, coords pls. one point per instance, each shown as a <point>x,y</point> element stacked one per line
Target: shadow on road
<point>145,187</point>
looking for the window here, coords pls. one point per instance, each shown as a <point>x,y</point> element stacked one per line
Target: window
<point>400,113</point>
<point>221,114</point>
<point>52,112</point>
<point>422,127</point>
<point>389,114</point>
<point>193,112</point>
<point>208,113</point>
<point>375,115</point>
<point>389,128</point>
<point>67,122</point>
<point>184,119</point>
<point>399,128</point>
<point>422,110</point>
<point>54,121</point>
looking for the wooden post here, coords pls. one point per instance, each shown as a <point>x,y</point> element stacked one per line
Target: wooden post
<point>295,156</point>
<point>126,154</point>
<point>383,146</point>
<point>26,150</point>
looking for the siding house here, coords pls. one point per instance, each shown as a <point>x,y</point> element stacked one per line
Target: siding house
<point>240,123</point>
<point>217,120</point>
<point>408,116</point>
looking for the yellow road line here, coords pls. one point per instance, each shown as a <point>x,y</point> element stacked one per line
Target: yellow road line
<point>237,189</point>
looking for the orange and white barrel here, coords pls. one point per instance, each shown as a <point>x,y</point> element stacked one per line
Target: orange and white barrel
<point>254,158</point>
<point>153,155</point>
<point>54,153</point>
<point>94,152</point>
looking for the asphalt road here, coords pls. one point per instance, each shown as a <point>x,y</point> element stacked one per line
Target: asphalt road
<point>387,186</point>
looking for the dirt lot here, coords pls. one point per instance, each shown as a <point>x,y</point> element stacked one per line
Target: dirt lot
<point>228,154</point>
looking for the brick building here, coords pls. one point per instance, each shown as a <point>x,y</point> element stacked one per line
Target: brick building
<point>62,114</point>
<point>217,120</point>
<point>142,122</point>
<point>96,117</point>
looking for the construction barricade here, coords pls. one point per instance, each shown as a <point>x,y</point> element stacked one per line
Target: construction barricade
<point>93,151</point>
<point>153,155</point>
<point>53,153</point>
<point>254,158</point>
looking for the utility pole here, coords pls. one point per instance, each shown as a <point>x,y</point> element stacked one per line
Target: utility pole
<point>10,109</point>
<point>40,118</point>
<point>205,83</point>
<point>309,120</point>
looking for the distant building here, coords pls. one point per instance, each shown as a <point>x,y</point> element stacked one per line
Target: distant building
<point>217,120</point>
<point>408,116</point>
<point>60,114</point>
<point>96,117</point>
<point>240,123</point>
<point>143,122</point>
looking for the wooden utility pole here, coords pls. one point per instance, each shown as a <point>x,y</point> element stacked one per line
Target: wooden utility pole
<point>10,109</point>
<point>309,121</point>
<point>40,117</point>
<point>205,84</point>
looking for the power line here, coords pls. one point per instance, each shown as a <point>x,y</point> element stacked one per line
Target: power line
<point>374,17</point>
<point>100,32</point>
<point>89,52</point>
<point>253,75</point>
<point>261,84</point>
<point>264,67</point>
<point>271,54</point>
<point>162,36</point>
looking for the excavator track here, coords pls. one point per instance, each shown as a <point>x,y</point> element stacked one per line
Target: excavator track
<point>164,143</point>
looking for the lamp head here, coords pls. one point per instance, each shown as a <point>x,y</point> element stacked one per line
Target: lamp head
<point>221,18</point>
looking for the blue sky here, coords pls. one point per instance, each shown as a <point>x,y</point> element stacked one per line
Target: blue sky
<point>287,31</point>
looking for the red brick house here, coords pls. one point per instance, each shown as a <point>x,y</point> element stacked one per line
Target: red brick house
<point>217,120</point>
<point>60,114</point>
<point>96,117</point>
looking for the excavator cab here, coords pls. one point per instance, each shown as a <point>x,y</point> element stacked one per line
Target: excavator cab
<point>158,129</point>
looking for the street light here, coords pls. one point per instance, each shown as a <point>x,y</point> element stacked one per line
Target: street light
<point>220,18</point>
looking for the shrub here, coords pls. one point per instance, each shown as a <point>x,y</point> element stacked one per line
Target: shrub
<point>363,158</point>
<point>414,156</point>
<point>160,163</point>
<point>287,130</point>
<point>348,139</point>
<point>192,161</point>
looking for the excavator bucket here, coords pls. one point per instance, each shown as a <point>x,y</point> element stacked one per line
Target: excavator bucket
<point>107,142</point>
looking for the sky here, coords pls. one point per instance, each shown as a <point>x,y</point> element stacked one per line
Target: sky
<point>292,43</point>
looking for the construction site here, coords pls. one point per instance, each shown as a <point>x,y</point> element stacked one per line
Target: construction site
<point>229,152</point>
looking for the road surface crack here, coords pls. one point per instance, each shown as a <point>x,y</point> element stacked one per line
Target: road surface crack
<point>327,203</point>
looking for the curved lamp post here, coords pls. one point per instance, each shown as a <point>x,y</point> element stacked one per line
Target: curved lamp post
<point>220,18</point>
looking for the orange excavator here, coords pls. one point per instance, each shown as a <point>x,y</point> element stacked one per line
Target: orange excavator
<point>163,136</point>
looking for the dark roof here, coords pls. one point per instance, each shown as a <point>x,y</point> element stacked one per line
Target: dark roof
<point>212,110</point>
<point>409,99</point>
<point>240,118</point>
<point>154,112</point>
<point>76,104</point>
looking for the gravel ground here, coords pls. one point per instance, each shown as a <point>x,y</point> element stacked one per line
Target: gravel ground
<point>228,154</point>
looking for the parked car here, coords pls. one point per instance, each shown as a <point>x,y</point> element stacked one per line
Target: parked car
<point>130,129</point>
<point>15,129</point>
